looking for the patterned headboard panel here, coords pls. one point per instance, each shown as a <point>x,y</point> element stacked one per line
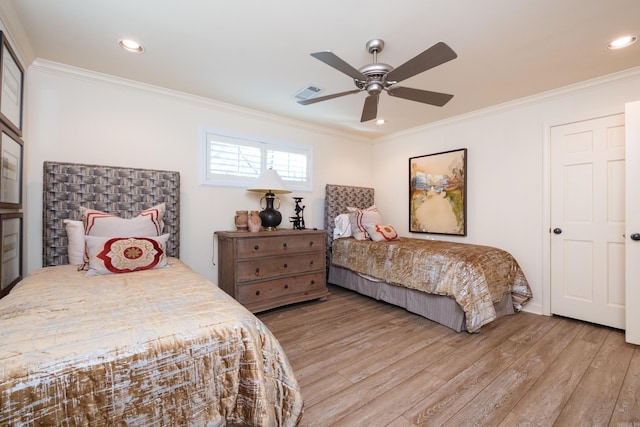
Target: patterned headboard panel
<point>338,198</point>
<point>116,190</point>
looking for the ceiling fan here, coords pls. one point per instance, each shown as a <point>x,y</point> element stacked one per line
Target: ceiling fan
<point>378,77</point>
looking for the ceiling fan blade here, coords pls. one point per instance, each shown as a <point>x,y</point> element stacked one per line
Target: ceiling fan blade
<point>437,54</point>
<point>427,97</point>
<point>370,110</point>
<point>327,97</point>
<point>332,60</point>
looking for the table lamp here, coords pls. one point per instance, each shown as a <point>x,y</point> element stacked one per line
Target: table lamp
<point>270,183</point>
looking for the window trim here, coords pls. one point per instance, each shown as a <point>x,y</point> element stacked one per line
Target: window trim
<point>265,145</point>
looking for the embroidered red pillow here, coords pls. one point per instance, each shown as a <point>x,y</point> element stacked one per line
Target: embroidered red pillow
<point>149,222</point>
<point>112,255</point>
<point>381,232</point>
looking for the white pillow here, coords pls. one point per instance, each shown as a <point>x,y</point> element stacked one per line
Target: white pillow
<point>381,232</point>
<point>343,226</point>
<point>112,255</point>
<point>360,218</point>
<point>75,241</point>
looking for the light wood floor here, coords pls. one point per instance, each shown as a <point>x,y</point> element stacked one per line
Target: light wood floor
<point>361,362</point>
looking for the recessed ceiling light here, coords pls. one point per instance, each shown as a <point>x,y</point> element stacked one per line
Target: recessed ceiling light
<point>131,45</point>
<point>380,122</point>
<point>622,42</point>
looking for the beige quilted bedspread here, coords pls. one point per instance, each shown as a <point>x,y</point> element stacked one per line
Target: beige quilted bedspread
<point>161,347</point>
<point>476,276</point>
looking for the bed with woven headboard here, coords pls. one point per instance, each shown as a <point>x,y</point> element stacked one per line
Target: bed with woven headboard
<point>115,190</point>
<point>138,338</point>
<point>459,285</point>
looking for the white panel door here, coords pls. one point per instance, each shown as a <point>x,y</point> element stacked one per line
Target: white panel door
<point>588,220</point>
<point>632,199</point>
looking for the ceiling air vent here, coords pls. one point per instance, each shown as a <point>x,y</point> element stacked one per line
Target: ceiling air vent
<point>307,92</point>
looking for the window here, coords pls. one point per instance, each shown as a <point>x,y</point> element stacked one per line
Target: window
<point>234,161</point>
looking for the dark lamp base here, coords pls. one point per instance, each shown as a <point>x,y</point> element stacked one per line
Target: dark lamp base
<point>270,217</point>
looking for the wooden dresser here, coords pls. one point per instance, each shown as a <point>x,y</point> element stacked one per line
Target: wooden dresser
<point>269,269</point>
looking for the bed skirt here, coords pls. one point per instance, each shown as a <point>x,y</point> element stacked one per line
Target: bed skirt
<point>439,308</point>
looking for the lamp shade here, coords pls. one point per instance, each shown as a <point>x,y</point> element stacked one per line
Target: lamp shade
<point>269,182</point>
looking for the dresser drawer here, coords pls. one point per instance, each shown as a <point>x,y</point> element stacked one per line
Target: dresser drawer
<point>279,245</point>
<point>266,268</point>
<point>255,293</point>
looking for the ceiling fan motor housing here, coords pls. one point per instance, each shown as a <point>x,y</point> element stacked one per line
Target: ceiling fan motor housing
<point>376,74</point>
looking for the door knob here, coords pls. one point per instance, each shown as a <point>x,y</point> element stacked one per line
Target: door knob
<point>559,231</point>
<point>635,236</point>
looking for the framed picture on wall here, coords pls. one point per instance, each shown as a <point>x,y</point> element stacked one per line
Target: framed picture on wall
<point>10,169</point>
<point>438,193</point>
<point>10,251</point>
<point>12,79</point>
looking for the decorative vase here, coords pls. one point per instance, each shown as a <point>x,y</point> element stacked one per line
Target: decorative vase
<point>255,222</point>
<point>242,220</point>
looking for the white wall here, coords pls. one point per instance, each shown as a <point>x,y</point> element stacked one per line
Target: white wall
<point>506,180</point>
<point>79,116</point>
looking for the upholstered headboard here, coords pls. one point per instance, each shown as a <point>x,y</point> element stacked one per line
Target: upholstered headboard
<point>116,190</point>
<point>338,198</point>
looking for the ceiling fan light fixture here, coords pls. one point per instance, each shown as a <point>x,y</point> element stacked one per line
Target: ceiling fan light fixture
<point>374,88</point>
<point>131,45</point>
<point>622,42</point>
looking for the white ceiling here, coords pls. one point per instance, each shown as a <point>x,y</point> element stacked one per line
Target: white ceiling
<point>255,53</point>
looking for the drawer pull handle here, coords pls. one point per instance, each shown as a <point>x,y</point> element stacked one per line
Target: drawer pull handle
<point>311,243</point>
<point>286,286</point>
<point>257,293</point>
<point>284,245</point>
<point>256,247</point>
<point>311,262</point>
<point>313,282</point>
<point>285,266</point>
<point>257,270</point>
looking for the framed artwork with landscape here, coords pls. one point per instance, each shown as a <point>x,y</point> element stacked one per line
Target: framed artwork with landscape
<point>438,193</point>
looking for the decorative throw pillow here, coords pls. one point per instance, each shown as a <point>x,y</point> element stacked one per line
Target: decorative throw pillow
<point>381,232</point>
<point>148,223</point>
<point>109,255</point>
<point>342,226</point>
<point>360,218</point>
<point>75,241</point>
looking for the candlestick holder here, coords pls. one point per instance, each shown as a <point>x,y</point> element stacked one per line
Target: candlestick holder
<point>298,220</point>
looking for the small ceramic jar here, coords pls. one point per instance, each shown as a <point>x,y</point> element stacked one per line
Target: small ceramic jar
<point>255,222</point>
<point>241,220</point>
